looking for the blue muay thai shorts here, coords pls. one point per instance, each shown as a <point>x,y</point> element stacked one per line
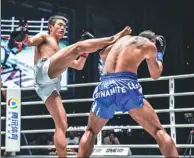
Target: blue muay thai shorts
<point>118,91</point>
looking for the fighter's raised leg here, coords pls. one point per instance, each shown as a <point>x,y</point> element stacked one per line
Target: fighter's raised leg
<point>65,56</point>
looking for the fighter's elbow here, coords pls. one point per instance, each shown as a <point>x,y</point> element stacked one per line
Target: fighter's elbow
<point>28,42</point>
<point>155,76</point>
<point>79,68</point>
<point>155,71</point>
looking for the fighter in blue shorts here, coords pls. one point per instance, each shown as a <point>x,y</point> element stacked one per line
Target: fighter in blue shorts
<point>119,89</point>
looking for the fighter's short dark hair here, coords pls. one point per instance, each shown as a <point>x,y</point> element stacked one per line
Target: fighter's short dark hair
<point>148,34</point>
<point>52,20</point>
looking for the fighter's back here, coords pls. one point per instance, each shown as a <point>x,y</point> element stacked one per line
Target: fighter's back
<point>126,55</point>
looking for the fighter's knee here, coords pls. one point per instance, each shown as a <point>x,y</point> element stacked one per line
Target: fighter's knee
<point>159,133</point>
<point>52,73</point>
<point>91,131</point>
<point>65,126</point>
<point>62,125</point>
<point>79,48</point>
<point>163,136</point>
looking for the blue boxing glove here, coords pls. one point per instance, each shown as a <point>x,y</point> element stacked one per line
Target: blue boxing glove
<point>161,47</point>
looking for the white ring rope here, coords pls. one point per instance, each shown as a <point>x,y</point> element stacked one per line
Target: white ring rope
<point>105,128</point>
<point>4,35</point>
<point>87,114</point>
<point>91,99</point>
<point>29,26</point>
<point>140,80</point>
<point>77,146</point>
<point>29,21</point>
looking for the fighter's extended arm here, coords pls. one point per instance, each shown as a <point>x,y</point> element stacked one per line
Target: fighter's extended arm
<point>79,64</point>
<point>20,34</point>
<point>155,67</point>
<point>35,40</point>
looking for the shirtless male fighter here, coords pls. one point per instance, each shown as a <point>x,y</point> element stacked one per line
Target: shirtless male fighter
<point>119,89</point>
<point>50,62</point>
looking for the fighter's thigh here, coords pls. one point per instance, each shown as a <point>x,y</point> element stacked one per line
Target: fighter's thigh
<point>61,60</point>
<point>146,117</point>
<point>56,109</point>
<point>96,123</point>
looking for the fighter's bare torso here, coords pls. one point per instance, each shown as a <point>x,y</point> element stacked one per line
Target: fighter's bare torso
<point>126,55</point>
<point>46,49</point>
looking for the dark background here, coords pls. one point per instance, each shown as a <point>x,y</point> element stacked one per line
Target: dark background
<point>172,19</point>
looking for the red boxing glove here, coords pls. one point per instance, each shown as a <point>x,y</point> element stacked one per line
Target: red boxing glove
<point>84,55</point>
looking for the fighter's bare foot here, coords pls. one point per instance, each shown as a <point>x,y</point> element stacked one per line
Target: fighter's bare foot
<point>126,31</point>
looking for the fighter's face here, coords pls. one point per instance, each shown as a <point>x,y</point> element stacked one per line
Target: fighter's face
<point>58,29</point>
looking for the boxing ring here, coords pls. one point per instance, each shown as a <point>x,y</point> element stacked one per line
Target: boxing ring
<point>99,147</point>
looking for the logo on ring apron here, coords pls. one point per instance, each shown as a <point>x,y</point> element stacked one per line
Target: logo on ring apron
<point>13,103</point>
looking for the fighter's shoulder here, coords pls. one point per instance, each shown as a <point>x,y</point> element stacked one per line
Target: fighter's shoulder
<point>43,34</point>
<point>133,40</point>
<point>141,39</point>
<point>124,38</point>
<point>138,41</point>
<point>149,46</point>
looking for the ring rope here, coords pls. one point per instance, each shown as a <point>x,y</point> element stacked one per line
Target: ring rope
<point>29,21</point>
<point>105,128</point>
<point>29,26</point>
<point>140,80</point>
<point>87,114</point>
<point>91,99</point>
<point>77,146</point>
